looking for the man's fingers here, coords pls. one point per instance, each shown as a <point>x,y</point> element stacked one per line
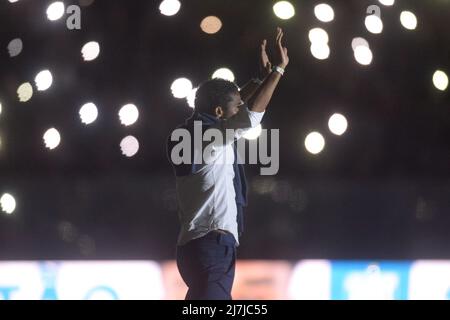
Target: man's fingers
<point>279,32</point>
<point>285,50</point>
<point>263,45</point>
<point>280,46</point>
<point>279,38</point>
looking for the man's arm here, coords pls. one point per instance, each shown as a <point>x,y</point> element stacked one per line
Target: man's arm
<point>263,94</point>
<point>249,89</point>
<point>265,67</point>
<point>251,117</point>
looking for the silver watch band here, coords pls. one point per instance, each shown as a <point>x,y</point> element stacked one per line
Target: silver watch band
<point>278,69</point>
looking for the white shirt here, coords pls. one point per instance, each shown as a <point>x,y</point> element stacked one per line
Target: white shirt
<point>206,199</point>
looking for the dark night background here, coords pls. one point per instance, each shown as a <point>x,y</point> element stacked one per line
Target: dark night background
<point>380,191</point>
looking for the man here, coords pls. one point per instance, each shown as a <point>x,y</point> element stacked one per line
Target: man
<point>212,193</point>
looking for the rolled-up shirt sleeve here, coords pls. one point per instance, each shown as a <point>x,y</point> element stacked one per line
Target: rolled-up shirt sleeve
<point>255,120</point>
<point>241,122</point>
<point>255,117</point>
<point>232,129</point>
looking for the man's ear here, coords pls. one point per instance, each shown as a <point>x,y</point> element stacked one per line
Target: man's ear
<point>218,111</point>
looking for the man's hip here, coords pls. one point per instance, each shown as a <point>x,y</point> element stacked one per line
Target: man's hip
<point>207,265</point>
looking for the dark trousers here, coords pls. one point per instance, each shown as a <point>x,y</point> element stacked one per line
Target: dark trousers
<point>207,266</point>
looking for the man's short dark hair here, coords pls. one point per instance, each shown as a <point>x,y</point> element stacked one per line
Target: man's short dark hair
<point>213,93</point>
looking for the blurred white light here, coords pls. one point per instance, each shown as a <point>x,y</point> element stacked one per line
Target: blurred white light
<point>90,51</point>
<point>253,133</point>
<point>15,47</point>
<point>440,80</point>
<point>387,2</point>
<point>13,1</point>
<point>318,35</point>
<point>128,114</point>
<point>408,20</point>
<point>43,80</point>
<point>363,55</point>
<point>314,142</point>
<point>8,203</point>
<point>0,108</point>
<point>129,146</point>
<point>181,88</point>
<point>88,113</point>
<point>284,10</point>
<point>25,92</point>
<point>356,42</point>
<point>337,124</point>
<point>224,73</point>
<point>169,7</point>
<point>55,11</point>
<point>374,24</point>
<point>191,98</point>
<point>52,138</point>
<point>324,12</point>
<point>320,51</point>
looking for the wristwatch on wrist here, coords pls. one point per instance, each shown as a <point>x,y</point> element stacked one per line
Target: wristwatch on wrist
<point>278,69</point>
